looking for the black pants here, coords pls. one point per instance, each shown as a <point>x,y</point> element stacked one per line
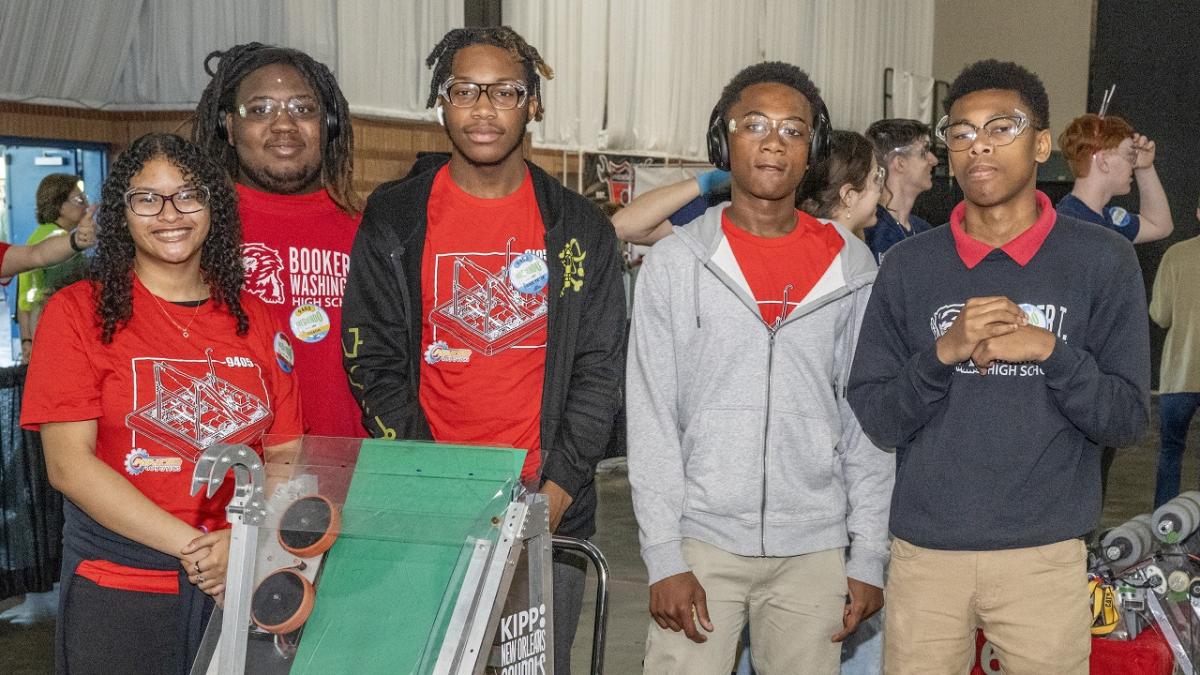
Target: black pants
<point>109,631</point>
<point>570,576</point>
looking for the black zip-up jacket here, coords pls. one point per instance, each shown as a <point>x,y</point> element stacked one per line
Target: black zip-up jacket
<point>585,345</point>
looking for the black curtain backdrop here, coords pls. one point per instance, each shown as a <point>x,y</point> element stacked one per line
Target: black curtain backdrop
<point>1148,48</point>
<point>31,517</point>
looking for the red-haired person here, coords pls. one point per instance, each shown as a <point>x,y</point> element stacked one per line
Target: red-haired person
<point>1106,155</point>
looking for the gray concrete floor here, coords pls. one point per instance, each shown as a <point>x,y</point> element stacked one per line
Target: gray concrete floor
<point>28,649</point>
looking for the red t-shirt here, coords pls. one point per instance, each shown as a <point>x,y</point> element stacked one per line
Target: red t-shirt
<point>483,329</point>
<point>3,250</point>
<point>143,390</point>
<point>297,255</point>
<point>795,262</point>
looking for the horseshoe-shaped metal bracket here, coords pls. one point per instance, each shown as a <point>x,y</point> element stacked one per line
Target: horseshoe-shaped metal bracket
<point>248,505</point>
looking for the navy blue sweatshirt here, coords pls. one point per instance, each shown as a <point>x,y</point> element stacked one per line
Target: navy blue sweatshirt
<point>887,231</point>
<point>1012,459</point>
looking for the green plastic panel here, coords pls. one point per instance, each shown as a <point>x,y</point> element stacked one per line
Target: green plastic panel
<point>389,582</point>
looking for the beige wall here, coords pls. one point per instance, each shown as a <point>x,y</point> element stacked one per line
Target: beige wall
<point>1051,38</point>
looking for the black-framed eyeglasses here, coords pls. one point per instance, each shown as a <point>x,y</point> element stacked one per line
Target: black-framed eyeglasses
<point>148,203</point>
<point>757,127</point>
<point>266,109</point>
<point>503,95</point>
<point>1001,130</point>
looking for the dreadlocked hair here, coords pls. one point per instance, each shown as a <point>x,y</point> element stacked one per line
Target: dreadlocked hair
<point>233,66</point>
<point>441,59</point>
<point>220,255</point>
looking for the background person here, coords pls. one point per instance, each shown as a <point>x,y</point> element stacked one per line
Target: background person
<point>1175,306</point>
<point>61,206</point>
<point>846,185</point>
<point>905,149</point>
<point>1106,155</point>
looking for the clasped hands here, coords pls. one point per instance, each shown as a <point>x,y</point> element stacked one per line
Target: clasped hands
<point>206,559</point>
<point>993,328</point>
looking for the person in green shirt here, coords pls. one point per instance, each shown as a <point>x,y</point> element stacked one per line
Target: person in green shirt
<point>61,206</point>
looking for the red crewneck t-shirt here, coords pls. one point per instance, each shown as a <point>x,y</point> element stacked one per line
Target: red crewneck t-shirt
<point>159,398</point>
<point>297,254</point>
<point>483,329</point>
<point>783,269</point>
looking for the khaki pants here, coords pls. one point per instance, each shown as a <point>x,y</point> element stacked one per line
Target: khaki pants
<point>794,605</point>
<point>1030,602</point>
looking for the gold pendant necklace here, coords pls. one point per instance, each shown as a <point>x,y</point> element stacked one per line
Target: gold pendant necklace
<point>181,329</point>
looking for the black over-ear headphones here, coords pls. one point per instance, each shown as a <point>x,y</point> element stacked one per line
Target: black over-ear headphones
<point>718,138</point>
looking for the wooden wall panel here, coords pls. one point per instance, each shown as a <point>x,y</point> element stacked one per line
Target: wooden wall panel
<point>385,149</point>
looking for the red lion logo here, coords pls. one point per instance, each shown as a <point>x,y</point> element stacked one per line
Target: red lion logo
<point>264,272</point>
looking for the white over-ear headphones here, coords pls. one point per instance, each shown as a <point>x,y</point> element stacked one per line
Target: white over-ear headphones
<point>441,114</point>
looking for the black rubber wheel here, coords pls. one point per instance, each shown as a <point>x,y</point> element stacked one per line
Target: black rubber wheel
<point>304,523</point>
<point>277,599</point>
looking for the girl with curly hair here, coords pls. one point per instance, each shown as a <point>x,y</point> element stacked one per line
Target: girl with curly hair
<point>134,373</point>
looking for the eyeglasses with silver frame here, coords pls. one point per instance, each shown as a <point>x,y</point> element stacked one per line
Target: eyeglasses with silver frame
<point>1001,130</point>
<point>1130,155</point>
<point>266,109</point>
<point>925,145</point>
<point>757,127</point>
<point>148,203</point>
<point>503,95</point>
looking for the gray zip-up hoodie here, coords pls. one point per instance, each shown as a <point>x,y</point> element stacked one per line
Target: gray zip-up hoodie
<point>740,436</point>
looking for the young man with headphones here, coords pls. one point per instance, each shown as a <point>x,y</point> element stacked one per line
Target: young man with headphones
<point>276,120</point>
<point>485,303</point>
<point>750,474</point>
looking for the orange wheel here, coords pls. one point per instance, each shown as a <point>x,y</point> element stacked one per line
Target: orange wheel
<point>309,526</point>
<point>282,602</point>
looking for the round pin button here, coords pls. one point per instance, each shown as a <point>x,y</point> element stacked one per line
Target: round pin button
<point>528,273</point>
<point>309,323</point>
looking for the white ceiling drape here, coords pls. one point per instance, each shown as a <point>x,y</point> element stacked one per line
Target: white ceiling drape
<point>65,50</point>
<point>382,45</point>
<point>632,75</point>
<point>667,61</point>
<point>141,54</point>
<point>164,64</point>
<point>573,38</point>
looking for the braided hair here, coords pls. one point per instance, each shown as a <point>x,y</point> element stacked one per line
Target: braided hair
<point>220,255</point>
<point>233,66</point>
<point>441,59</point>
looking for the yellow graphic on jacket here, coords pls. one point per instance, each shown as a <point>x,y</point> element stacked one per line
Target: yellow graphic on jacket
<point>572,262</point>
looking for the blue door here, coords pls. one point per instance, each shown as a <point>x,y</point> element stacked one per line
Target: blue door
<point>27,162</point>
